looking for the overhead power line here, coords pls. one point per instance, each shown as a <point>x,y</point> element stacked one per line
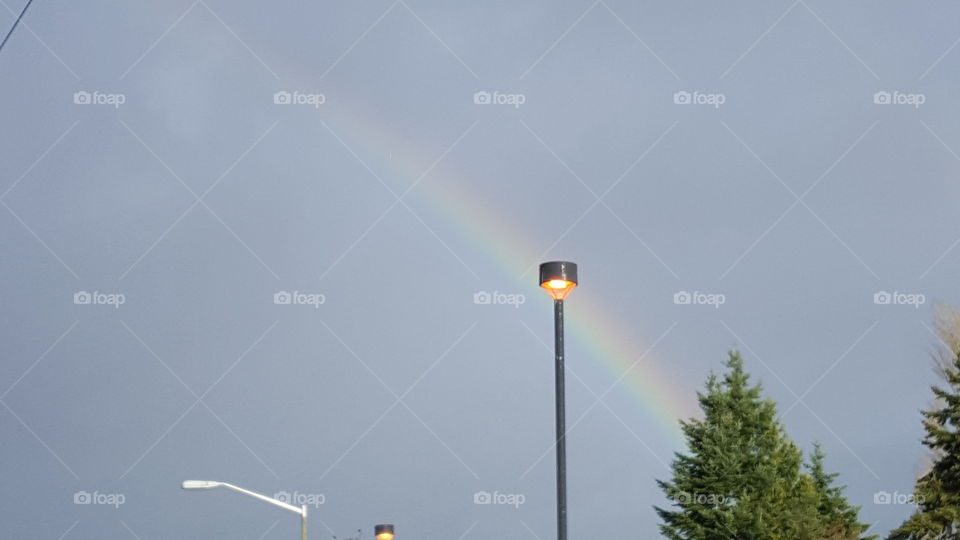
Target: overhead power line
<point>15,23</point>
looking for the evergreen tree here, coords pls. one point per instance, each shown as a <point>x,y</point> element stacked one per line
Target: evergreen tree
<point>741,478</point>
<point>839,519</point>
<point>938,491</point>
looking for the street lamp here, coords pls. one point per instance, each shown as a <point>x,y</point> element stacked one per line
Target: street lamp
<point>383,532</point>
<point>209,484</point>
<point>559,278</point>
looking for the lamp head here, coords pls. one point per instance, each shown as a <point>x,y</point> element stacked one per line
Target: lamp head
<point>383,532</point>
<point>558,278</point>
<point>199,484</point>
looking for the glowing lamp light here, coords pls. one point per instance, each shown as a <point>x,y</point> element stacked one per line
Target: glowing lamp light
<point>383,532</point>
<point>558,278</point>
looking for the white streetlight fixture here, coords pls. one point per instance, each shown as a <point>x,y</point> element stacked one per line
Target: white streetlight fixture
<point>210,484</point>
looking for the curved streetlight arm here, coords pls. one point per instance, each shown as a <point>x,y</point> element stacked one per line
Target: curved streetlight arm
<point>271,500</point>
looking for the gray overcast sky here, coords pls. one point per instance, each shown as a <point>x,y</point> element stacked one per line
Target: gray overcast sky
<point>740,149</point>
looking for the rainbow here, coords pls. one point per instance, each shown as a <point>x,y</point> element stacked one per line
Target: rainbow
<point>591,323</point>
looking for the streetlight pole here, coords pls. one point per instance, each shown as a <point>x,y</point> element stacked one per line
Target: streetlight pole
<point>559,278</point>
<point>209,484</point>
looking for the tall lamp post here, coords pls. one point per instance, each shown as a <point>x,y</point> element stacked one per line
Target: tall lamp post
<point>559,278</point>
<point>209,484</point>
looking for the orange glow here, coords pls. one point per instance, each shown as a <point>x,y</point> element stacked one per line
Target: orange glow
<point>385,536</point>
<point>558,288</point>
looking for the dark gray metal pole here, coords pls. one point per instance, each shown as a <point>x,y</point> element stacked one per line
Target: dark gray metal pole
<point>561,422</point>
